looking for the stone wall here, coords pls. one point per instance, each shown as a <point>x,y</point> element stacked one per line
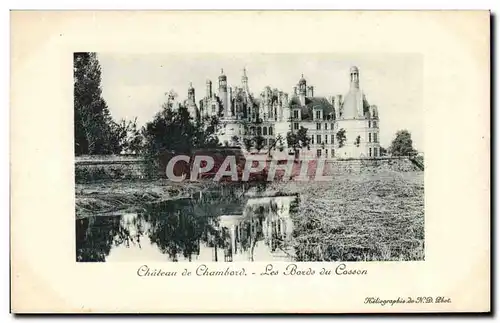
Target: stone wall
<point>335,167</point>
<point>93,168</point>
<point>112,167</point>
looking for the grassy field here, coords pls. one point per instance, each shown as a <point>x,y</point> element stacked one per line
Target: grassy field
<point>359,218</point>
<point>368,216</point>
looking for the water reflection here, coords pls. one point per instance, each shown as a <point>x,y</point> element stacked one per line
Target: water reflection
<point>210,226</point>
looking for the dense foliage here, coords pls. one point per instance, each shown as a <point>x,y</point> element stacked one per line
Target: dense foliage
<point>96,133</point>
<point>299,139</point>
<point>402,145</point>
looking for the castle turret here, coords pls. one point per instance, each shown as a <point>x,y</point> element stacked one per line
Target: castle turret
<point>191,95</point>
<point>302,90</point>
<point>354,77</point>
<point>354,101</point>
<point>223,89</point>
<point>244,81</point>
<point>302,86</point>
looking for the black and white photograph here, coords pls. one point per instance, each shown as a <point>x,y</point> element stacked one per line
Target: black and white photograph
<point>250,161</point>
<point>248,157</point>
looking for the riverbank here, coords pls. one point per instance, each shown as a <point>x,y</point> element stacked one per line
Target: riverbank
<point>351,218</point>
<point>128,196</point>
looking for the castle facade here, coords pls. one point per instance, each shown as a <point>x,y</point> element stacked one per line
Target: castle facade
<point>339,126</point>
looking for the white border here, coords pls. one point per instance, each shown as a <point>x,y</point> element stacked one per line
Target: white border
<point>217,4</point>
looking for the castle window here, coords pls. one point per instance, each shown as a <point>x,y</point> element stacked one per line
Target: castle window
<point>318,139</point>
<point>264,131</point>
<point>331,126</point>
<point>374,124</point>
<point>259,131</point>
<point>326,126</point>
<point>318,153</point>
<point>265,142</point>
<point>375,139</point>
<point>312,140</point>
<point>318,114</point>
<point>333,152</point>
<point>270,131</point>
<point>213,108</point>
<point>318,126</point>
<point>370,139</point>
<point>296,114</point>
<point>375,150</point>
<point>326,139</point>
<point>333,140</point>
<point>296,126</point>
<point>370,150</point>
<point>326,153</point>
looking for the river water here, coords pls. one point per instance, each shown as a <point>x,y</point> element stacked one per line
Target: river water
<point>208,226</point>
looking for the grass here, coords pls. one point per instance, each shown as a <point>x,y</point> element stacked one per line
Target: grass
<point>360,218</point>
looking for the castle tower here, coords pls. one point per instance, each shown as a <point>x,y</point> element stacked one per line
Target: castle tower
<point>223,90</point>
<point>191,96</point>
<point>302,90</point>
<point>354,77</point>
<point>244,81</point>
<point>208,89</point>
<point>302,86</point>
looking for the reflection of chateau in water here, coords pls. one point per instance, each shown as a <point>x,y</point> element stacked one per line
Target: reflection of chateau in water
<point>202,228</point>
<point>261,232</point>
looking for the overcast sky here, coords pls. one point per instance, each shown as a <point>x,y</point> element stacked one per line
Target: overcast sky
<point>134,85</point>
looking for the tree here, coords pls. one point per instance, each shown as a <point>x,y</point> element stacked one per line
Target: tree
<point>402,145</point>
<point>235,140</point>
<point>173,131</point>
<point>129,137</point>
<point>278,141</point>
<point>93,123</point>
<point>258,142</point>
<point>248,143</point>
<point>383,151</point>
<point>298,140</point>
<point>358,141</point>
<point>341,137</point>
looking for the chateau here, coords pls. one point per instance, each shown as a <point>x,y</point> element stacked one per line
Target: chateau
<point>339,126</point>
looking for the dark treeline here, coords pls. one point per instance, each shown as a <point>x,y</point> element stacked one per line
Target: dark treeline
<point>172,129</point>
<point>96,133</point>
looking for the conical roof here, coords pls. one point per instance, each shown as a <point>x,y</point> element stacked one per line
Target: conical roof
<point>355,104</point>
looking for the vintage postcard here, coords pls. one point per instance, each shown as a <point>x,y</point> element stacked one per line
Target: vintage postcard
<point>250,162</point>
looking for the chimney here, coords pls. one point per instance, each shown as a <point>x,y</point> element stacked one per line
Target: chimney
<point>354,73</point>
<point>229,102</point>
<point>337,104</point>
<point>310,91</point>
<point>209,89</point>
